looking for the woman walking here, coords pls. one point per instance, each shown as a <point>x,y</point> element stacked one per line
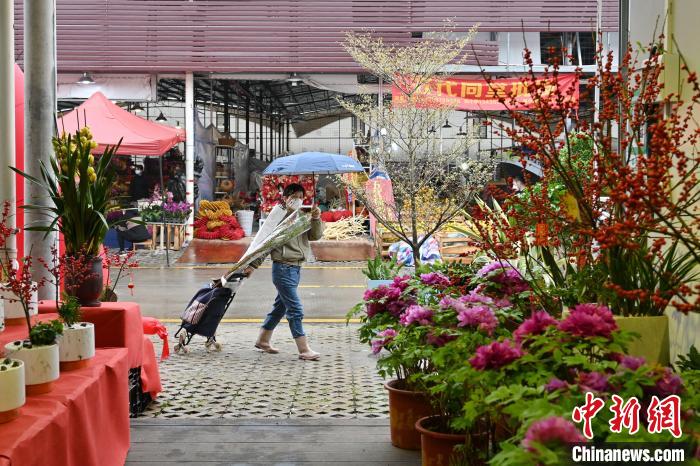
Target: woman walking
<point>286,272</point>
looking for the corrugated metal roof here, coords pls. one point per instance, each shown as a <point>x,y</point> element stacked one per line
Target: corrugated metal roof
<point>279,35</point>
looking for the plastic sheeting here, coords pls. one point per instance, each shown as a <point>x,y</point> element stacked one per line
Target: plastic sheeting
<point>205,139</point>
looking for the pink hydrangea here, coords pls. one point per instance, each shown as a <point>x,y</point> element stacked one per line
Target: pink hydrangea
<point>589,320</point>
<point>535,325</point>
<point>495,355</point>
<point>416,313</point>
<point>478,316</point>
<point>434,279</point>
<point>593,381</point>
<point>551,431</point>
<point>385,337</point>
<point>556,384</point>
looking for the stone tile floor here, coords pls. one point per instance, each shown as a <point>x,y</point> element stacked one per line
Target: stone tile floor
<point>241,382</point>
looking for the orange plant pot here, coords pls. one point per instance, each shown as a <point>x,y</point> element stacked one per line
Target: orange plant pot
<point>438,449</point>
<point>405,408</point>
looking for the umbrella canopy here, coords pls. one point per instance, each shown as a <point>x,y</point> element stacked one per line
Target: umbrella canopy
<point>109,123</point>
<point>511,169</point>
<point>313,163</point>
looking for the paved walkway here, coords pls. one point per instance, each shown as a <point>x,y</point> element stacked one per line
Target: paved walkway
<point>328,290</point>
<point>244,407</point>
<point>242,382</point>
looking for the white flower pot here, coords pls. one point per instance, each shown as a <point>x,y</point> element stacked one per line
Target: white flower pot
<point>41,365</point>
<point>13,308</point>
<point>77,345</point>
<point>12,396</point>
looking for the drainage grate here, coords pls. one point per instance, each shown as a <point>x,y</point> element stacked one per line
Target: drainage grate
<point>241,382</point>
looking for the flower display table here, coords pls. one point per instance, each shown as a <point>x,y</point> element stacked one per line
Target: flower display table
<point>119,325</point>
<point>175,233</point>
<point>83,421</point>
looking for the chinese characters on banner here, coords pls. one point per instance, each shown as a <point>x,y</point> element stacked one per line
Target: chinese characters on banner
<point>477,94</point>
<point>661,415</point>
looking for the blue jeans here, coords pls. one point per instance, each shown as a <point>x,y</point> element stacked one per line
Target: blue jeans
<point>286,280</point>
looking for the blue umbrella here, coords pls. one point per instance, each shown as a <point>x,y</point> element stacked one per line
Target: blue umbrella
<point>313,163</point>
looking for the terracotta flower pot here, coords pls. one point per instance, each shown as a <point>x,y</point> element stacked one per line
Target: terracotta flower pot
<point>438,449</point>
<point>405,408</point>
<point>89,289</point>
<point>12,396</point>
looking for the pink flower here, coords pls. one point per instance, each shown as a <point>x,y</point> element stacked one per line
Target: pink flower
<point>505,275</point>
<point>434,279</point>
<point>478,316</point>
<point>556,384</point>
<point>495,355</point>
<point>589,320</point>
<point>475,297</point>
<point>385,299</point>
<point>385,337</point>
<point>630,362</point>
<point>437,339</point>
<point>593,381</point>
<point>401,282</point>
<point>535,325</point>
<point>551,431</point>
<point>416,313</point>
<point>669,383</point>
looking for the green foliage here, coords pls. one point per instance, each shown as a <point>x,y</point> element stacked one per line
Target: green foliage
<point>69,310</point>
<point>79,187</point>
<point>380,269</point>
<point>690,361</point>
<point>45,333</point>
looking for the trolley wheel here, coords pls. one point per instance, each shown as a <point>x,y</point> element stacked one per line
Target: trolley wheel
<point>212,345</point>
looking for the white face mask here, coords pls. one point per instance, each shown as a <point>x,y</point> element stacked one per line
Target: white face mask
<point>294,204</point>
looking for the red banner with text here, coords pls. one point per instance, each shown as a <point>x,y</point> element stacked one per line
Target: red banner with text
<point>477,94</point>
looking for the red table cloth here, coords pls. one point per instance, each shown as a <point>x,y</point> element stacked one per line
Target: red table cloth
<point>116,325</point>
<point>83,421</point>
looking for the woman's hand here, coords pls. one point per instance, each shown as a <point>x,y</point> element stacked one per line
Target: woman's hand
<point>315,212</point>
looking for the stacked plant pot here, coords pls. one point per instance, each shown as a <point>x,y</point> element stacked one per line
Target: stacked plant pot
<point>12,395</point>
<point>13,312</point>
<point>41,364</point>
<point>77,345</point>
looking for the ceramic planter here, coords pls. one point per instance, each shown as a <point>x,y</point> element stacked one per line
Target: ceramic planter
<point>76,346</point>
<point>12,396</point>
<point>14,313</point>
<point>41,365</point>
<point>89,288</point>
<point>372,284</point>
<point>405,408</point>
<point>437,449</point>
<point>653,343</point>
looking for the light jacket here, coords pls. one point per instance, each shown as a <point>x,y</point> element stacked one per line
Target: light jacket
<point>297,250</point>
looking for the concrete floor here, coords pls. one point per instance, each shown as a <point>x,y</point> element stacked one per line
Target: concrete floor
<point>327,290</point>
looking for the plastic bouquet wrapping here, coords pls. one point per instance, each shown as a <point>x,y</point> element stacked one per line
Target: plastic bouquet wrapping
<point>290,227</point>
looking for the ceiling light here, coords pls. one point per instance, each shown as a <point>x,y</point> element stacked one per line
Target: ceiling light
<point>137,108</point>
<point>161,117</point>
<point>461,131</point>
<point>447,124</point>
<point>177,124</point>
<point>86,79</point>
<point>432,129</point>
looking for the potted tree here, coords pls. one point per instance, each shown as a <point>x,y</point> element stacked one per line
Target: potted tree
<point>79,186</point>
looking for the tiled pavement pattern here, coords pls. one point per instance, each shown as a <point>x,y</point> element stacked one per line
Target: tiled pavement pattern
<point>155,257</point>
<point>241,382</point>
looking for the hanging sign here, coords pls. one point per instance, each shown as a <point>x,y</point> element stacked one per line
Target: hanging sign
<point>478,94</point>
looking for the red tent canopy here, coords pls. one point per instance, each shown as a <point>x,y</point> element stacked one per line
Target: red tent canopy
<point>109,122</point>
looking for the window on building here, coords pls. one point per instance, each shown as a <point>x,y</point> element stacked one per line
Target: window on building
<point>567,48</point>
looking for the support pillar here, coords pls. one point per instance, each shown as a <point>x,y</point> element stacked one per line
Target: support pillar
<point>7,115</point>
<point>189,147</point>
<point>39,124</point>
